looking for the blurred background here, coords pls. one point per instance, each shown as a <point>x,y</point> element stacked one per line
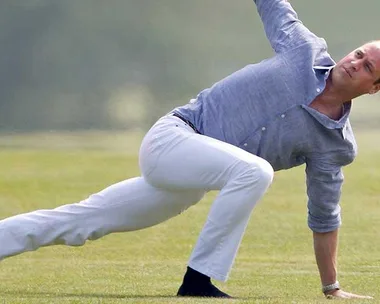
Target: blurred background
<point>120,64</point>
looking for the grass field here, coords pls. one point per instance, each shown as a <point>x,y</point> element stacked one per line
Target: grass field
<point>275,263</point>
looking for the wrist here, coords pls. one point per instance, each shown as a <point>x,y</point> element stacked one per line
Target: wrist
<point>326,289</point>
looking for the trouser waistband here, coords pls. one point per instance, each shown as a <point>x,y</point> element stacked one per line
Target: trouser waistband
<point>186,122</point>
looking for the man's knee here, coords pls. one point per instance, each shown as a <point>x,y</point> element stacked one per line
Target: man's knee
<point>266,172</point>
<point>259,173</point>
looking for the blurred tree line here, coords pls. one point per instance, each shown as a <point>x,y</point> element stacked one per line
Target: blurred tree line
<point>80,64</point>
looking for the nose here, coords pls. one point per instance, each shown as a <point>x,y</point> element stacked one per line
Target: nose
<point>355,65</point>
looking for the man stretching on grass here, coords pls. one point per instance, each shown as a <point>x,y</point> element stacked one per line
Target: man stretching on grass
<point>289,110</point>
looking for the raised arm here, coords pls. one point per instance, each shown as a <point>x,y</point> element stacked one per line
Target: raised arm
<point>282,27</point>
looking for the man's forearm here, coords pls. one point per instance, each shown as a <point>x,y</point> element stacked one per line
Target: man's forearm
<point>326,248</point>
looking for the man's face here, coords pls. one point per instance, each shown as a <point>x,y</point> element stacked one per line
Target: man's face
<point>358,71</point>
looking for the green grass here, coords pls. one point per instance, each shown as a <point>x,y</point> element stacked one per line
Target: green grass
<point>275,263</point>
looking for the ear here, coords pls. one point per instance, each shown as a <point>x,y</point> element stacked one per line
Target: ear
<point>374,89</point>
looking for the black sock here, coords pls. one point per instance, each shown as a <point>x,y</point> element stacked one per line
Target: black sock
<point>196,284</point>
<point>195,277</point>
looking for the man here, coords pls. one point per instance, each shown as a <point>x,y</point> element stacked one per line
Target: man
<point>289,110</point>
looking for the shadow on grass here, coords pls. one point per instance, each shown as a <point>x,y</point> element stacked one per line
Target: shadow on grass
<point>41,294</point>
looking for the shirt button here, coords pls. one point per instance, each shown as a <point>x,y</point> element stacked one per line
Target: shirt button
<point>245,144</point>
<point>263,128</point>
<point>318,90</point>
<point>283,116</point>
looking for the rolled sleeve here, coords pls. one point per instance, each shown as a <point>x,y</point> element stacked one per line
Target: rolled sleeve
<point>281,24</point>
<point>324,183</point>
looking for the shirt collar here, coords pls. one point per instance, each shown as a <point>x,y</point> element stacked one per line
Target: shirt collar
<point>326,69</point>
<point>327,121</point>
<point>321,118</point>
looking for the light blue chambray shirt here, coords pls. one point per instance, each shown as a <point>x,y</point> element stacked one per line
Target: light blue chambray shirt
<point>264,109</point>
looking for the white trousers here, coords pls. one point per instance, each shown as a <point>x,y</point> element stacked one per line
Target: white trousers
<point>178,166</point>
